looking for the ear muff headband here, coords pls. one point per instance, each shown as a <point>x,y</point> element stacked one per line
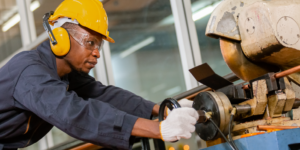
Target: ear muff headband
<point>59,37</point>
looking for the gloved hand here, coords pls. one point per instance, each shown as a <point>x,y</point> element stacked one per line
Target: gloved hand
<point>186,103</point>
<point>179,124</point>
<point>183,103</point>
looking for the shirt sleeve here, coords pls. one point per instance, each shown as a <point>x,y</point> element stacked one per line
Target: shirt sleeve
<point>42,92</point>
<point>86,86</point>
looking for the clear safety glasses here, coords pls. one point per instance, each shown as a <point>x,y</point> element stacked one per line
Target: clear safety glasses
<point>84,39</point>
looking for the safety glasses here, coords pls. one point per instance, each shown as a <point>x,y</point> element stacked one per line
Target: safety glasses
<point>85,40</point>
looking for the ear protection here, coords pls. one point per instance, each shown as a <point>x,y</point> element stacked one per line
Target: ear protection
<point>59,37</point>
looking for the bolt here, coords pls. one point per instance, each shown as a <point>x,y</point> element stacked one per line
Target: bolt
<point>247,30</point>
<point>298,35</point>
<point>281,37</point>
<point>253,27</point>
<point>248,19</point>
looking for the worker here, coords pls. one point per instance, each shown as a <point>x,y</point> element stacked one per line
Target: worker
<point>50,86</point>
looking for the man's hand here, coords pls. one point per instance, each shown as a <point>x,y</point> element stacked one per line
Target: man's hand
<point>179,124</point>
<point>183,103</point>
<point>186,103</point>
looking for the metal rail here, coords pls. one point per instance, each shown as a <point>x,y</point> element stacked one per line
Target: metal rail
<point>230,77</point>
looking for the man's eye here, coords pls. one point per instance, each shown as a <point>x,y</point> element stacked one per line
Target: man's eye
<point>91,43</point>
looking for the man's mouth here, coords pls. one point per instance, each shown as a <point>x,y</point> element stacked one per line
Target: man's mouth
<point>92,64</point>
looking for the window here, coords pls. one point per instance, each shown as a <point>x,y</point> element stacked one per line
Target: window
<point>10,37</point>
<point>44,6</point>
<point>145,57</point>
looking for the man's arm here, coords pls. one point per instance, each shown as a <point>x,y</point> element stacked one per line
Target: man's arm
<point>146,128</point>
<point>39,91</point>
<point>87,87</point>
<point>155,110</point>
<point>179,124</point>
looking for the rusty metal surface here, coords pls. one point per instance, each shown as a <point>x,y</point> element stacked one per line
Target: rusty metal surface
<point>290,96</point>
<point>259,101</point>
<point>276,103</point>
<point>223,20</point>
<point>239,64</point>
<point>273,121</point>
<point>222,109</point>
<point>269,32</point>
<point>242,109</point>
<point>296,114</point>
<point>296,88</point>
<point>226,105</point>
<point>275,33</point>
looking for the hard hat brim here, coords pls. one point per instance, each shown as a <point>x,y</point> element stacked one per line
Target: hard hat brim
<point>109,39</point>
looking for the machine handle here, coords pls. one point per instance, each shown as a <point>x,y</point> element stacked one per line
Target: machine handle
<point>170,103</point>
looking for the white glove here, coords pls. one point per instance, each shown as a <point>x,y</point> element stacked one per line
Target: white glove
<point>186,103</point>
<point>183,103</point>
<point>179,124</point>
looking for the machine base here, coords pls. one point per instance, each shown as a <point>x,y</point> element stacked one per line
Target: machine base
<point>280,140</point>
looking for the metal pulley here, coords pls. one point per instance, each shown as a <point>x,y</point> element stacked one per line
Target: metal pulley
<point>219,105</point>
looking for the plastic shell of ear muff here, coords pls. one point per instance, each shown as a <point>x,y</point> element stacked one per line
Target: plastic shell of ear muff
<point>63,42</point>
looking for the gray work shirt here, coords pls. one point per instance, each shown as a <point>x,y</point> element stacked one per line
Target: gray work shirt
<point>33,98</point>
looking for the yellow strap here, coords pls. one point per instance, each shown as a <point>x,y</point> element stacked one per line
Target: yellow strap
<point>160,131</point>
<point>28,124</point>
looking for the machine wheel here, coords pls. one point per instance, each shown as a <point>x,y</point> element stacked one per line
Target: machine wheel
<point>220,106</point>
<point>170,103</point>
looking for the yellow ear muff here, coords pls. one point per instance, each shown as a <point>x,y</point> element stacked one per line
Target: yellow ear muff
<point>63,42</point>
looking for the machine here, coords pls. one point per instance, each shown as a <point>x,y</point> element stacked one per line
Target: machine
<point>259,41</point>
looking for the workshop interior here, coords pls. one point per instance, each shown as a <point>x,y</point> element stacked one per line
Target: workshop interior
<point>237,60</point>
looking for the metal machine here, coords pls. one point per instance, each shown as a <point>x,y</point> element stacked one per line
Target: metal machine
<point>258,36</point>
<point>259,41</point>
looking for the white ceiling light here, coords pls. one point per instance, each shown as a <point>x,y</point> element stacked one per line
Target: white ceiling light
<point>34,5</point>
<point>16,18</point>
<point>197,15</point>
<point>204,12</point>
<point>11,22</point>
<point>137,46</point>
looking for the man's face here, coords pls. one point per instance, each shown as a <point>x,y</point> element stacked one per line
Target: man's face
<point>81,57</point>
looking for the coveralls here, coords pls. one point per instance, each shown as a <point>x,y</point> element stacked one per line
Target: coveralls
<point>33,99</point>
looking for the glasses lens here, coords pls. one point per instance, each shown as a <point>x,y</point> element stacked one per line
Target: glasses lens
<point>89,42</point>
<point>93,43</point>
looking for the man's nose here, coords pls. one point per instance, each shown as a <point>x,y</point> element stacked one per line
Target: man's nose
<point>96,53</point>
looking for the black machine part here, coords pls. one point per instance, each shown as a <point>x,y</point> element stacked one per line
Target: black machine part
<point>202,116</point>
<point>159,144</point>
<point>170,103</point>
<point>218,105</point>
<point>205,102</point>
<point>205,75</point>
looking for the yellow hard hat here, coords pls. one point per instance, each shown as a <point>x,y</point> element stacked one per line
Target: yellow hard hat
<point>89,13</point>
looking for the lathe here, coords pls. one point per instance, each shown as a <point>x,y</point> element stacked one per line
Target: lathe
<point>259,41</point>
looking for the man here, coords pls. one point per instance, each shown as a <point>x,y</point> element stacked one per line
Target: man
<point>50,86</point>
